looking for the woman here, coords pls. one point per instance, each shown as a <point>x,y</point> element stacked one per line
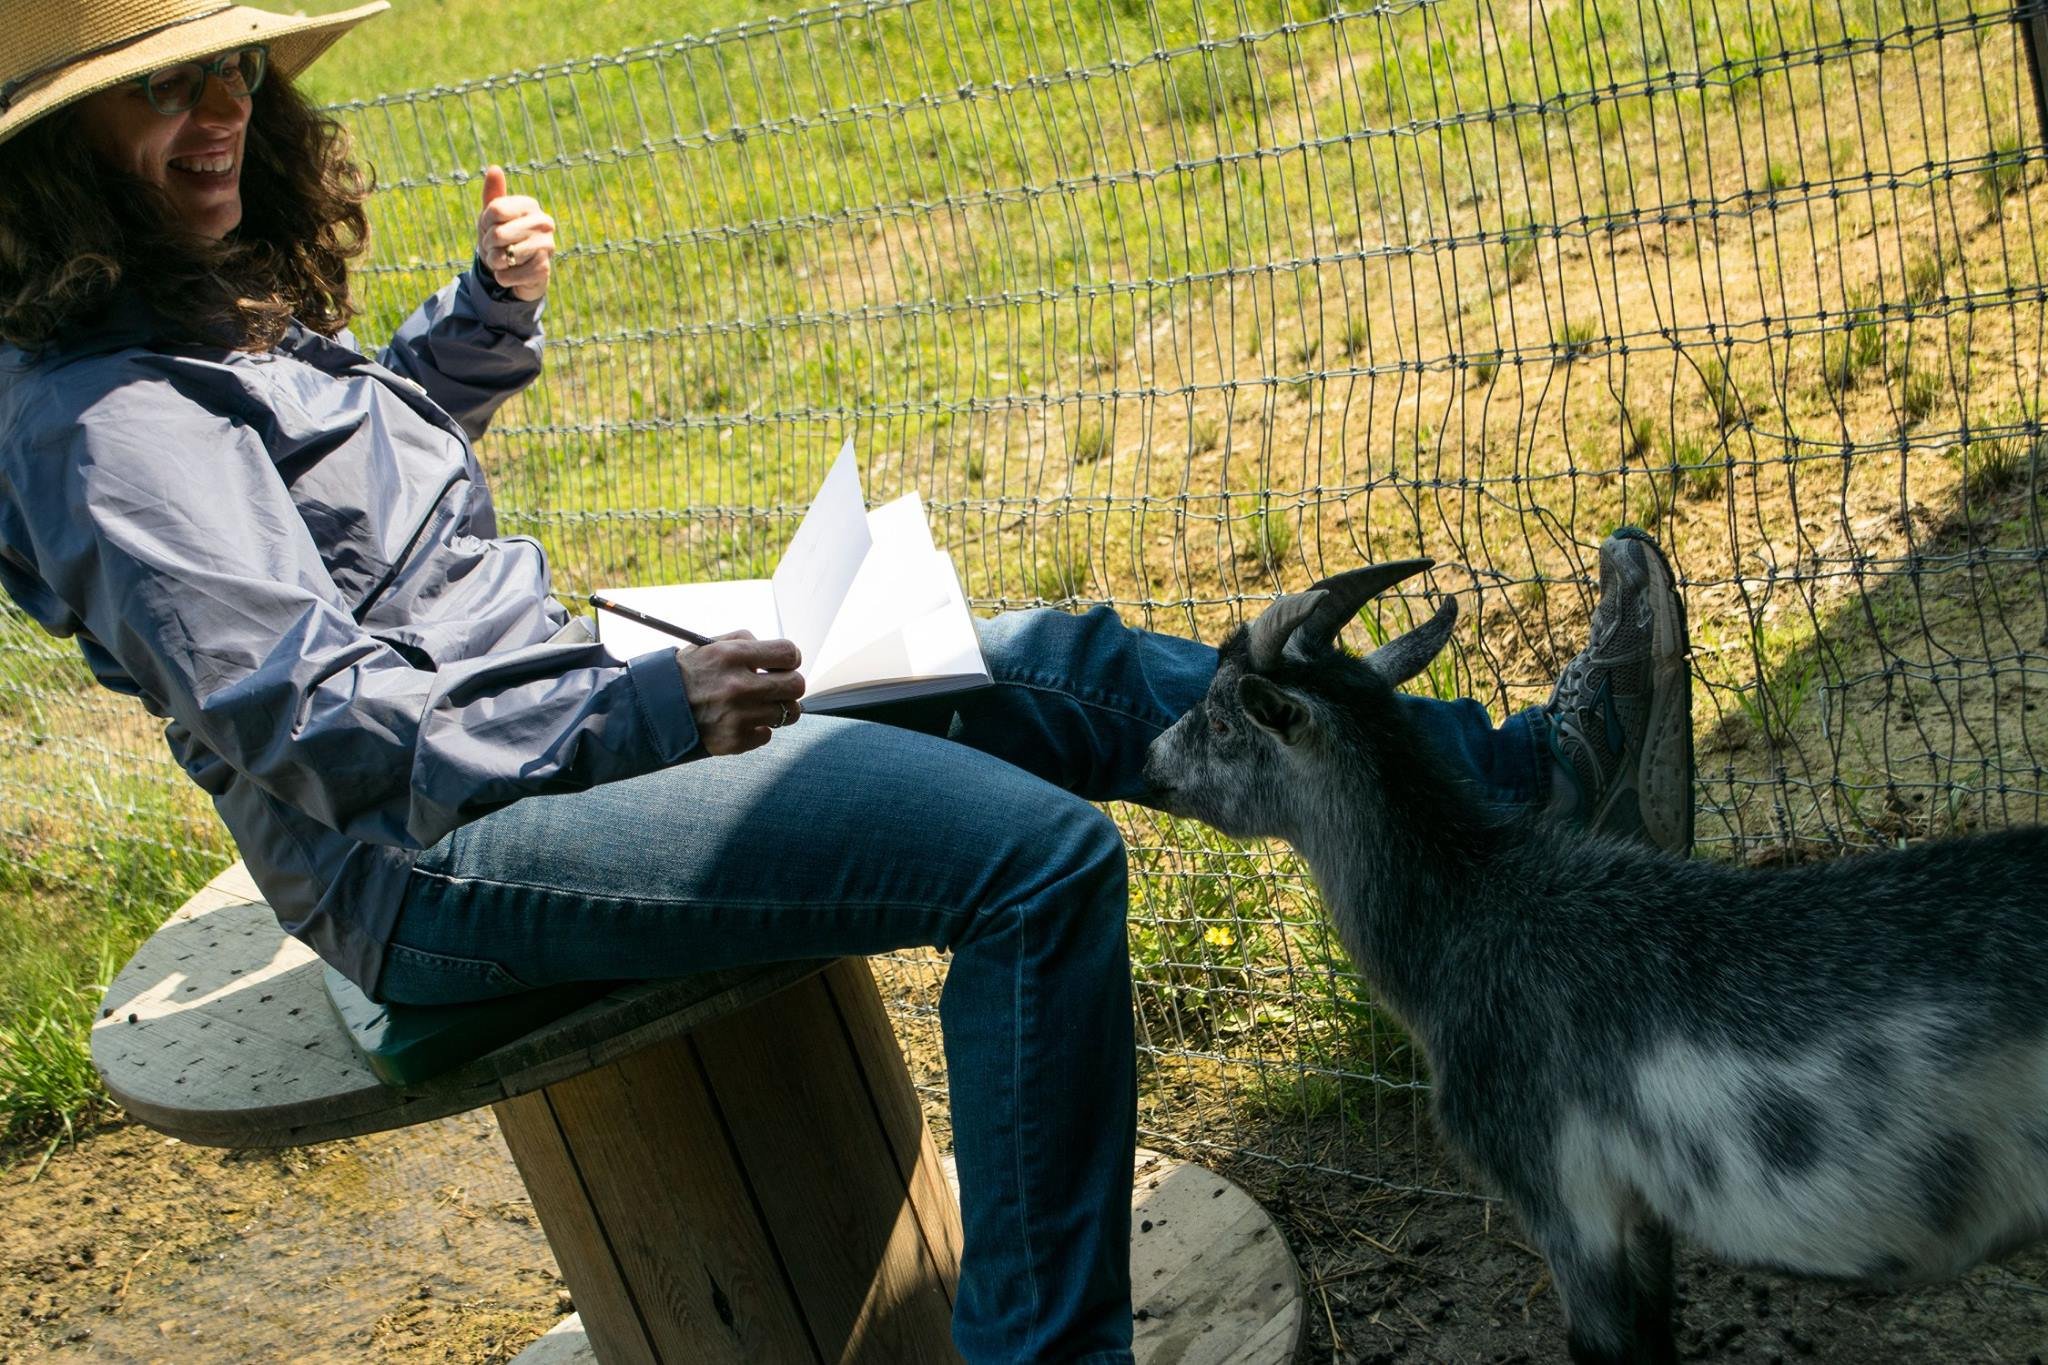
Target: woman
<point>287,550</point>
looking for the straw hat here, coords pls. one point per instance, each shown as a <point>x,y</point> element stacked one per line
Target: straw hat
<point>55,52</point>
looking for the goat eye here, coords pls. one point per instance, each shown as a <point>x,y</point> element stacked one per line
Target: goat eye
<point>1218,726</point>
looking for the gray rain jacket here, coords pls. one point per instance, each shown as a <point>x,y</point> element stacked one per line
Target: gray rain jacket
<point>292,557</point>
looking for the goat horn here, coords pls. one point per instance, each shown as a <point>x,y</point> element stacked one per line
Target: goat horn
<point>1276,624</point>
<point>1402,657</point>
<point>1341,597</point>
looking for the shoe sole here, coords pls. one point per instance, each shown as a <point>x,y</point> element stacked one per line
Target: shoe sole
<point>1664,770</point>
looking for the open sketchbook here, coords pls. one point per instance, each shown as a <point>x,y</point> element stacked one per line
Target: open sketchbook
<point>875,607</point>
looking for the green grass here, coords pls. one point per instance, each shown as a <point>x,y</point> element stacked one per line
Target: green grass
<point>1695,473</point>
<point>73,907</point>
<point>1638,435</point>
<point>1575,341</point>
<point>1065,570</point>
<point>1697,468</point>
<point>1993,468</point>
<point>1091,441</point>
<point>1270,537</point>
<point>2004,176</point>
<point>1723,395</point>
<point>1919,390</point>
<point>1518,250</point>
<point>1856,349</point>
<point>1197,88</point>
<point>1924,279</point>
<point>1788,668</point>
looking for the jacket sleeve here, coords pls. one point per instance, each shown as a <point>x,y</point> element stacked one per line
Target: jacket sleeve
<point>471,346</point>
<point>164,532</point>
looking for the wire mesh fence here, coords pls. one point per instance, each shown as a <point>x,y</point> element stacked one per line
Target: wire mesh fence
<point>1178,306</point>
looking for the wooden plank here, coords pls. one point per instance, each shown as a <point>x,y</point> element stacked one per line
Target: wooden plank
<point>220,967</point>
<point>661,1179</point>
<point>539,1149</point>
<point>1212,1280</point>
<point>851,984</point>
<point>235,883</point>
<point>831,1190</point>
<point>220,1016</point>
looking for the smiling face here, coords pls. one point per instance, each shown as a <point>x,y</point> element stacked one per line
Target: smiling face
<point>196,156</point>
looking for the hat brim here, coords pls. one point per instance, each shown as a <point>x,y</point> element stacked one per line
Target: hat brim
<point>295,42</point>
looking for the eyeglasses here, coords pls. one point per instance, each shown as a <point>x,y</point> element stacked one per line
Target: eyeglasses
<point>176,89</point>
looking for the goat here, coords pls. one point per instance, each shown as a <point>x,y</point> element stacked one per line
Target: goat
<point>1836,1070</point>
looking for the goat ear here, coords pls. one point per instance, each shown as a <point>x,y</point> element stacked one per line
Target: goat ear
<point>1342,596</point>
<point>1276,624</point>
<point>1403,657</point>
<point>1273,708</point>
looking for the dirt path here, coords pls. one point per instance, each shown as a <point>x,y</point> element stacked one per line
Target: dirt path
<point>421,1246</point>
<point>418,1246</point>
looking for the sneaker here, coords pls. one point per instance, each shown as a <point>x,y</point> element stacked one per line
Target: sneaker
<point>1621,715</point>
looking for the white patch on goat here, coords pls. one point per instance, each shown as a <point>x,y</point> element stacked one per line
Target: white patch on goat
<point>1849,1194</point>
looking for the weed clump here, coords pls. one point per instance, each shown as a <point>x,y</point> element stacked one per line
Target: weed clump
<point>1091,443</point>
<point>1575,341</point>
<point>1722,394</point>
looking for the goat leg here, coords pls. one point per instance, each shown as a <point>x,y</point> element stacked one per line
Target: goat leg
<point>1649,1258</point>
<point>1597,1287</point>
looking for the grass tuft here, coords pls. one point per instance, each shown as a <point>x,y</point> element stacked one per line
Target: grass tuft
<point>2004,176</point>
<point>1994,468</point>
<point>1518,250</point>
<point>1091,442</point>
<point>1918,391</point>
<point>1696,473</point>
<point>1859,347</point>
<point>1924,280</point>
<point>1723,395</point>
<point>1638,435</point>
<point>1271,537</point>
<point>1066,573</point>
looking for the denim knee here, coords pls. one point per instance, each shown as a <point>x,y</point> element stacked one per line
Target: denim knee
<point>1021,642</point>
<point>1071,869</point>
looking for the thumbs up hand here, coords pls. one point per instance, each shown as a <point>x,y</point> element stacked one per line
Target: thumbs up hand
<point>515,238</point>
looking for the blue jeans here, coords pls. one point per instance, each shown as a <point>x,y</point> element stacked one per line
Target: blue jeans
<point>964,823</point>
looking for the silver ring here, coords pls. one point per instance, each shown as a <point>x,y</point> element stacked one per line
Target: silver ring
<point>785,714</point>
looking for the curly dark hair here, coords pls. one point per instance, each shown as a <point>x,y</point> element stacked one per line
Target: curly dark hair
<point>75,232</point>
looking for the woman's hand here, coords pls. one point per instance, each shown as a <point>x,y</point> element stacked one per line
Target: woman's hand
<point>741,689</point>
<point>515,238</point>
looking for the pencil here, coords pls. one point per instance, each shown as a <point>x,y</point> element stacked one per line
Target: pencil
<point>603,603</point>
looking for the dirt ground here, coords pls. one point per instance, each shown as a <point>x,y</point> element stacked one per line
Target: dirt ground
<point>420,1246</point>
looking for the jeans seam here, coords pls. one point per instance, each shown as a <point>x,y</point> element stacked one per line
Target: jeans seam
<point>613,897</point>
<point>1017,1037</point>
<point>475,968</point>
<point>1097,701</point>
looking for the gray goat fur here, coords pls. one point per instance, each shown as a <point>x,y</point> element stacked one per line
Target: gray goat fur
<point>1836,1070</point>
